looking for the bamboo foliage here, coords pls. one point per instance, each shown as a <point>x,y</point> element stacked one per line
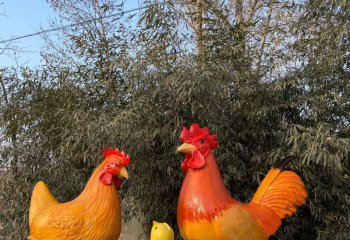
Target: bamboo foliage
<point>272,80</point>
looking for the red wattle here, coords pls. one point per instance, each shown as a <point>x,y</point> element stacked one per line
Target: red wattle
<point>117,182</point>
<point>194,160</point>
<point>184,166</point>
<point>197,161</point>
<point>106,178</point>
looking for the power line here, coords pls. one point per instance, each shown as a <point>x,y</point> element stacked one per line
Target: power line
<point>71,25</point>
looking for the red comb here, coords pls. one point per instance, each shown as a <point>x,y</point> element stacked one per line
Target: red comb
<point>111,151</point>
<point>195,133</point>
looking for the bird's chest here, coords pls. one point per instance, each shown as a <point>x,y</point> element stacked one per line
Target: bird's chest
<point>104,225</point>
<point>233,224</point>
<point>105,230</point>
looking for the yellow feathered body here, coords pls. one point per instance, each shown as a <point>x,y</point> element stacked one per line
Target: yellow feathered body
<point>161,231</point>
<point>94,215</point>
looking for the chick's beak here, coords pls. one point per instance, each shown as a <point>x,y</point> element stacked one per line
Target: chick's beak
<point>186,148</point>
<point>155,223</point>
<point>123,173</point>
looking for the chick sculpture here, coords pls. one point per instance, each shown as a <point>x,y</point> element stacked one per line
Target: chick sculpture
<point>161,231</point>
<point>206,211</point>
<point>94,215</point>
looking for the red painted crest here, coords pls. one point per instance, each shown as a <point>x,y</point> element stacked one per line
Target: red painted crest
<point>111,151</point>
<point>196,133</point>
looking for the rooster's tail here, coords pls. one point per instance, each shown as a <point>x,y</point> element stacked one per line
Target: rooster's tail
<point>279,195</point>
<point>41,199</point>
<point>282,191</point>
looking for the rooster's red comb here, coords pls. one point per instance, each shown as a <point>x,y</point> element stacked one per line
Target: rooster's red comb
<point>111,151</point>
<point>195,133</point>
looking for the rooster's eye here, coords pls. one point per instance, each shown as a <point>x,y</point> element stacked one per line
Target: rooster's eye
<point>201,141</point>
<point>114,165</point>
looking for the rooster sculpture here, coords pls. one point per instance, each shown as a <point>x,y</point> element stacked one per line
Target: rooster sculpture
<point>206,211</point>
<point>94,215</point>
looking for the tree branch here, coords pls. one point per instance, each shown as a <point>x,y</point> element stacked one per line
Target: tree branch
<point>255,5</point>
<point>263,39</point>
<point>239,11</point>
<point>199,28</point>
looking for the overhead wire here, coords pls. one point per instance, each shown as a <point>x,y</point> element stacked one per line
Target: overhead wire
<point>71,25</point>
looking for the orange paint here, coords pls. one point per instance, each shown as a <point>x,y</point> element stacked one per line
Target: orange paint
<point>235,223</point>
<point>203,194</point>
<point>94,214</point>
<point>281,191</point>
<point>205,205</point>
<point>206,211</point>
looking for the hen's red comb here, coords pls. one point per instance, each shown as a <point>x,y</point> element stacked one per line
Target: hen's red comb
<point>111,151</point>
<point>196,132</point>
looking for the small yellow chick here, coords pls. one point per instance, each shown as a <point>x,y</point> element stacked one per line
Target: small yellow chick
<point>161,231</point>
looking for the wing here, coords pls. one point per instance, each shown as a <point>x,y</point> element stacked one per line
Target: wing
<point>42,199</point>
<point>59,222</point>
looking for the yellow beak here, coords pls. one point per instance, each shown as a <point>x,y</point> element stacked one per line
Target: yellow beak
<point>123,173</point>
<point>186,148</point>
<point>155,223</point>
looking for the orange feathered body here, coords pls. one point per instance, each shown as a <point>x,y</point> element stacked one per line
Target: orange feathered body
<point>206,211</point>
<point>94,215</point>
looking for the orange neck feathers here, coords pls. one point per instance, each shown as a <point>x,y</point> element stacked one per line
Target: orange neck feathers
<point>99,197</point>
<point>94,187</point>
<point>101,205</point>
<point>203,193</point>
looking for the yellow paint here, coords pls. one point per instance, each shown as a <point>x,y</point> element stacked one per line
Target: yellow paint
<point>94,215</point>
<point>234,224</point>
<point>161,231</point>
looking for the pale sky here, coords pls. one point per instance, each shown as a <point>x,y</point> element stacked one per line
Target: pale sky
<point>21,18</point>
<point>24,17</point>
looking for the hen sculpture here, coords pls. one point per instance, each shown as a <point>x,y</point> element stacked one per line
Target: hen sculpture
<point>206,211</point>
<point>94,215</point>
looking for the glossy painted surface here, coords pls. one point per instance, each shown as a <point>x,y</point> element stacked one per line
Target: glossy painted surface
<point>233,224</point>
<point>161,231</point>
<point>206,211</point>
<point>281,191</point>
<point>94,215</point>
